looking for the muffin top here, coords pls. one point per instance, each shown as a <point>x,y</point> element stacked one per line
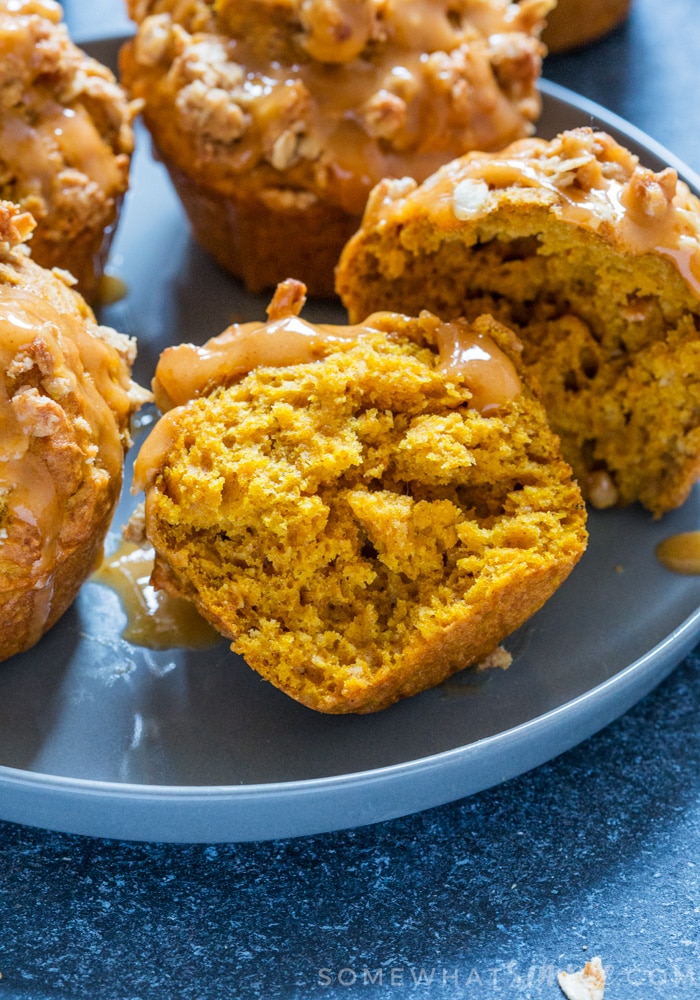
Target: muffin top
<point>582,176</point>
<point>334,94</point>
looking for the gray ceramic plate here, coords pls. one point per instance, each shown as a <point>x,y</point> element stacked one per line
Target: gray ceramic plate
<point>102,738</point>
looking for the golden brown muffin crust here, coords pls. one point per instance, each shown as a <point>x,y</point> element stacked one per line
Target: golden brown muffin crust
<point>573,23</point>
<point>66,398</point>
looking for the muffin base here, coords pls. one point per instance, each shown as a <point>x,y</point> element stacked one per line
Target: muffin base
<point>28,613</point>
<point>85,256</point>
<point>264,238</point>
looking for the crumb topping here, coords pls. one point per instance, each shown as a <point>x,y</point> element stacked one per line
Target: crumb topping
<point>335,94</point>
<point>586,984</point>
<point>582,176</point>
<point>65,128</point>
<point>66,398</point>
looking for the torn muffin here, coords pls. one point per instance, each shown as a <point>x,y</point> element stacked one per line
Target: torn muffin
<point>594,260</point>
<point>363,510</point>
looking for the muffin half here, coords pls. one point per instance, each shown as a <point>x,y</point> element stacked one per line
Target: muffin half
<point>362,510</point>
<point>594,260</point>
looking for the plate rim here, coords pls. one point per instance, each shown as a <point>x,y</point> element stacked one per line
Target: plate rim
<point>564,95</point>
<point>665,649</point>
<point>255,812</point>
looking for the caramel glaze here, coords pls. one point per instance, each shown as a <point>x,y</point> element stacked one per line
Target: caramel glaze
<point>65,401</point>
<point>355,90</point>
<point>53,128</point>
<point>72,132</point>
<point>186,371</point>
<point>27,488</point>
<point>154,620</point>
<point>681,553</point>
<point>583,177</point>
<point>473,358</point>
<point>110,289</point>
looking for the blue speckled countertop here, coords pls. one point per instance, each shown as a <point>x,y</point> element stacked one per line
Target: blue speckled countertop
<point>595,853</point>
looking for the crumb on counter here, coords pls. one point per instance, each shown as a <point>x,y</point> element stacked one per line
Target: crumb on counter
<point>586,984</point>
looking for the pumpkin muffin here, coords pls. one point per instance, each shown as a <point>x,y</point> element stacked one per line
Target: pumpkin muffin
<point>65,140</point>
<point>574,23</point>
<point>66,397</point>
<point>276,117</point>
<point>594,260</point>
<point>362,510</point>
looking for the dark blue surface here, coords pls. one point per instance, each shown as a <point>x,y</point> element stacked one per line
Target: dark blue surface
<point>597,852</point>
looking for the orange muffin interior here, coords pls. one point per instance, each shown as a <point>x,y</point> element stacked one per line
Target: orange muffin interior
<point>369,521</point>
